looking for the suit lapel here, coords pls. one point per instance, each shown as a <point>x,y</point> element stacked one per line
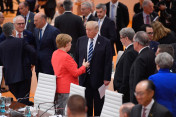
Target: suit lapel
<point>45,34</point>
<point>85,48</point>
<point>152,110</point>
<point>97,46</point>
<point>103,24</point>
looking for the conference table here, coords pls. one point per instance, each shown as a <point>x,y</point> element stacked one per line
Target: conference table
<point>14,111</point>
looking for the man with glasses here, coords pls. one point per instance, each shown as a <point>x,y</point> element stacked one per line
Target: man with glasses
<point>149,30</point>
<point>121,77</point>
<point>144,64</point>
<point>147,107</point>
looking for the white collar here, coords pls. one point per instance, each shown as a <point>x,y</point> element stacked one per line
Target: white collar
<point>44,27</point>
<point>88,16</point>
<point>149,106</point>
<point>129,45</point>
<point>116,4</point>
<point>143,49</point>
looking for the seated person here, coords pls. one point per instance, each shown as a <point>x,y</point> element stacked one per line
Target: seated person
<point>76,106</point>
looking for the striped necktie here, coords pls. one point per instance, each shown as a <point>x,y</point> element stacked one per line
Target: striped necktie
<point>40,34</point>
<point>90,54</point>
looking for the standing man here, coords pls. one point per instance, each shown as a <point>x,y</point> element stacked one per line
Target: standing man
<point>12,50</point>
<point>97,50</point>
<point>70,24</point>
<point>149,30</point>
<point>28,16</point>
<point>145,17</point>
<point>86,8</point>
<point>147,107</point>
<point>118,12</point>
<point>45,36</point>
<point>121,77</point>
<point>1,21</point>
<point>144,64</point>
<point>106,25</point>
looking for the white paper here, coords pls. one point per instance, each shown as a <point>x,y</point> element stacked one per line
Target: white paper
<point>56,116</point>
<point>102,90</point>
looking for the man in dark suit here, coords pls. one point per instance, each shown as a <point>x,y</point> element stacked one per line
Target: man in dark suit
<point>118,12</point>
<point>28,16</point>
<point>97,50</point>
<point>106,26</point>
<point>70,24</point>
<point>149,30</point>
<point>144,64</point>
<point>86,8</point>
<point>147,107</point>
<point>12,50</point>
<point>145,17</point>
<point>45,36</point>
<point>121,77</point>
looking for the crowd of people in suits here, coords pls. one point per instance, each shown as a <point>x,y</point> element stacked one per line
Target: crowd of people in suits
<point>74,46</point>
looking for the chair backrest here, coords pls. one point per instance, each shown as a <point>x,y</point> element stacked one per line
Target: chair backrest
<point>75,89</point>
<point>1,73</point>
<point>45,92</point>
<point>112,103</point>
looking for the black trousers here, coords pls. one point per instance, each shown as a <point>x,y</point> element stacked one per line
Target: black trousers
<point>93,99</point>
<point>20,90</point>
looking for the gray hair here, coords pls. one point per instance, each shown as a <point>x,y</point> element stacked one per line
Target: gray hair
<point>126,108</point>
<point>127,32</point>
<point>8,29</point>
<point>18,16</point>
<point>67,4</point>
<point>145,3</point>
<point>87,5</point>
<point>99,6</point>
<point>142,38</point>
<point>164,60</point>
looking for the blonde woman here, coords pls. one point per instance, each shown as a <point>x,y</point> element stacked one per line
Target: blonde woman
<point>162,34</point>
<point>65,69</point>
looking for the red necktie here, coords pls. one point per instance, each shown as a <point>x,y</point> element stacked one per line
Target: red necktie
<point>19,35</point>
<point>144,113</point>
<point>147,19</point>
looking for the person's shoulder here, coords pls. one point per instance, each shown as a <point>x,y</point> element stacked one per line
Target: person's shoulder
<point>122,5</point>
<point>27,32</point>
<point>137,15</point>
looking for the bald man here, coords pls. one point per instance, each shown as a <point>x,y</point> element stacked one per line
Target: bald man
<point>147,107</point>
<point>97,50</point>
<point>45,36</point>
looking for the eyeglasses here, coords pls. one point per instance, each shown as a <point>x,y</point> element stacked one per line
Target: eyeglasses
<point>138,93</point>
<point>122,37</point>
<point>150,33</point>
<point>20,23</point>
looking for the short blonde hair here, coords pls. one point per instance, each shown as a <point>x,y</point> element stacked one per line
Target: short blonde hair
<point>62,40</point>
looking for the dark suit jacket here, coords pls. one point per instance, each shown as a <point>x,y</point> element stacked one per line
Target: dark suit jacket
<point>30,22</point>
<point>138,20</point>
<point>137,8</point>
<point>101,62</point>
<point>121,77</point>
<point>122,16</point>
<point>91,18</point>
<point>11,51</point>
<point>70,24</point>
<point>142,68</point>
<point>108,30</point>
<point>154,45</point>
<point>122,20</point>
<point>157,110</point>
<point>45,48</point>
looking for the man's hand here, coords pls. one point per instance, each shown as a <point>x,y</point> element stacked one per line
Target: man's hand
<point>106,83</point>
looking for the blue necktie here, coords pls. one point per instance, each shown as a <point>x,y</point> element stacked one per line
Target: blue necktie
<point>40,34</point>
<point>112,12</point>
<point>90,54</point>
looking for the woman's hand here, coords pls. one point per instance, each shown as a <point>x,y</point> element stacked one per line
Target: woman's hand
<point>86,64</point>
